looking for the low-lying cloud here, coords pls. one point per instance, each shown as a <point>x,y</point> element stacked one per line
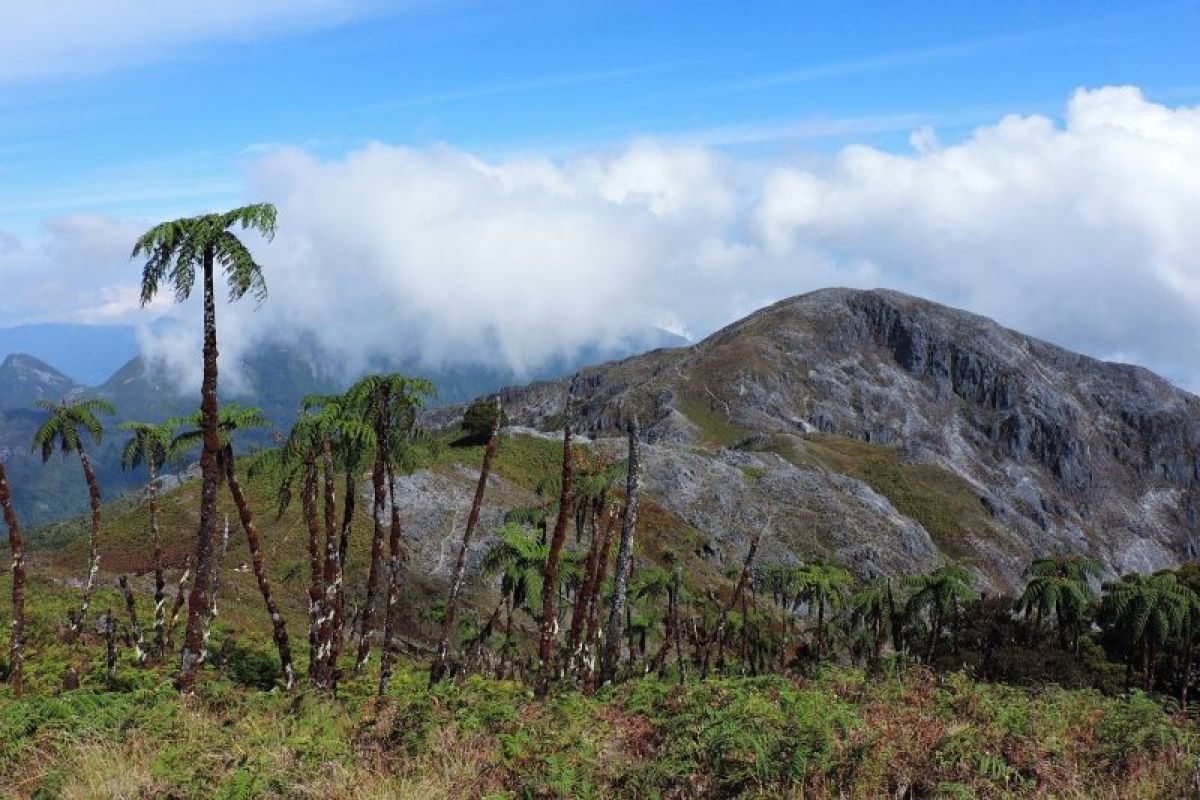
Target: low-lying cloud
<point>1081,231</point>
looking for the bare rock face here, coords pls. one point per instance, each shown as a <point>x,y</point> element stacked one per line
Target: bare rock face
<point>1004,446</point>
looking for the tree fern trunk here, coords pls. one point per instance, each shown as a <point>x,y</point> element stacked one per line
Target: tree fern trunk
<point>89,586</point>
<point>213,611</point>
<point>135,628</point>
<point>549,626</point>
<point>583,598</point>
<point>441,660</point>
<point>278,626</point>
<point>595,603</point>
<point>331,576</point>
<point>198,601</point>
<point>612,642</point>
<point>339,617</point>
<point>160,598</point>
<point>367,623</point>
<point>309,504</point>
<point>180,594</point>
<point>16,544</point>
<point>395,567</point>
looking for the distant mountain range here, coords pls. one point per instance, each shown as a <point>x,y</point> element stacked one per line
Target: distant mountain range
<point>88,354</point>
<point>279,373</point>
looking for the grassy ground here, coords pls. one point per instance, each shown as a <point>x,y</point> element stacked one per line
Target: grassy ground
<point>838,735</point>
<point>841,734</point>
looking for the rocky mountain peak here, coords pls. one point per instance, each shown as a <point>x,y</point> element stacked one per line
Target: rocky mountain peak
<point>999,445</point>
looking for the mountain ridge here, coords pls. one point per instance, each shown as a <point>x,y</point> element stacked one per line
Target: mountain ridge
<point>1061,452</point>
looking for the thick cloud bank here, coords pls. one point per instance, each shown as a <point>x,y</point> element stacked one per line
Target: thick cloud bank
<point>1082,231</point>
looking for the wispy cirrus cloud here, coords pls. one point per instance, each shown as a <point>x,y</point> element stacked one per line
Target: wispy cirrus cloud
<point>78,37</point>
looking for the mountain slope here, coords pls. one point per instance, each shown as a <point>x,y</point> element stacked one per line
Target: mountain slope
<point>890,431</point>
<point>25,379</point>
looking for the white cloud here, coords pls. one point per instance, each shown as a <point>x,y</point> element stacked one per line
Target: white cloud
<point>74,37</point>
<point>1081,232</point>
<point>76,269</point>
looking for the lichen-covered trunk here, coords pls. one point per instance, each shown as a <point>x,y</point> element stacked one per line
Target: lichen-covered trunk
<point>135,628</point>
<point>591,645</point>
<point>16,543</point>
<point>213,611</point>
<point>579,613</point>
<point>612,641</point>
<point>89,586</point>
<point>198,601</point>
<point>315,593</point>
<point>379,498</point>
<point>441,660</point>
<point>278,626</point>
<point>331,578</point>
<point>180,594</point>
<point>549,622</point>
<point>339,610</point>
<point>395,565</point>
<point>160,596</point>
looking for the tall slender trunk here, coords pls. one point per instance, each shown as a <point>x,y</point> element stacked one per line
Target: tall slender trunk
<point>209,475</point>
<point>278,626</point>
<point>331,577</point>
<point>135,628</point>
<point>506,647</point>
<point>612,642</point>
<point>16,543</point>
<point>583,597</point>
<point>659,662</point>
<point>309,502</point>
<point>213,611</point>
<point>395,566</point>
<point>339,609</point>
<point>379,490</point>
<point>549,626</point>
<point>718,634</point>
<point>595,602</point>
<point>441,660</point>
<point>180,594</point>
<point>160,597</point>
<point>89,586</point>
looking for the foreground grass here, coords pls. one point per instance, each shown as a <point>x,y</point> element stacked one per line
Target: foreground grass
<point>837,735</point>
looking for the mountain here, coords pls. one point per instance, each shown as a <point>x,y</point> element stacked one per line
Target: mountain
<point>890,432</point>
<point>88,353</point>
<point>275,376</point>
<point>24,380</point>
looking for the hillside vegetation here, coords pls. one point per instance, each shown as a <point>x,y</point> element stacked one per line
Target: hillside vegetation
<point>839,733</point>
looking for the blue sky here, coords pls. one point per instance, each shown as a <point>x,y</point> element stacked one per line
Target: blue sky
<point>543,176</point>
<point>148,129</point>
